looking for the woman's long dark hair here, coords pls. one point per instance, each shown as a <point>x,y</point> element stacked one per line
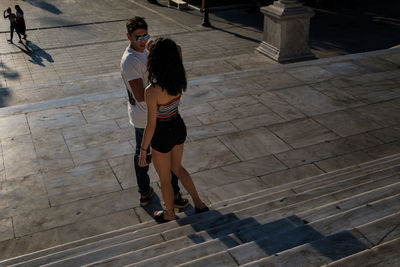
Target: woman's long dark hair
<point>165,67</point>
<point>18,8</point>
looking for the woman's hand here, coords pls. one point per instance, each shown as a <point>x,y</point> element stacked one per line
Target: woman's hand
<point>142,158</point>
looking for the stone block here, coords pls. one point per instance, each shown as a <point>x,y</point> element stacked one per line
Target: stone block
<point>286,31</point>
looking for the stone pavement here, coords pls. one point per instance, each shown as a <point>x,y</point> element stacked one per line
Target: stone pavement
<point>66,146</point>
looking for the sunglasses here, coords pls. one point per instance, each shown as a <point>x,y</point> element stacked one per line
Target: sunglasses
<point>144,37</point>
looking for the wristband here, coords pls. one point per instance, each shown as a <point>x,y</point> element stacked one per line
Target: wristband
<point>143,149</point>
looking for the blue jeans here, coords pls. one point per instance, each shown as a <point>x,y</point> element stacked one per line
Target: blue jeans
<point>142,178</point>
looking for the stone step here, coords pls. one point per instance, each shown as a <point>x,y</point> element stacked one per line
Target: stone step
<point>356,170</point>
<point>343,247</point>
<point>288,197</point>
<point>249,229</point>
<point>230,223</point>
<point>264,247</point>
<point>322,251</point>
<point>169,231</point>
<point>331,209</point>
<point>281,241</point>
<point>241,223</point>
<point>137,231</point>
<point>196,237</point>
<point>386,254</point>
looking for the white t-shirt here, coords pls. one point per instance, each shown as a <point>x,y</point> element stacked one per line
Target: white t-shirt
<point>134,66</point>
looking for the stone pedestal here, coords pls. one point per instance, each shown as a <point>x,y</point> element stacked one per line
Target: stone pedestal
<point>286,31</point>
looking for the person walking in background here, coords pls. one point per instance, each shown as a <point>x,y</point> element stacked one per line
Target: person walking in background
<point>165,130</point>
<point>133,71</point>
<point>13,24</point>
<point>21,27</point>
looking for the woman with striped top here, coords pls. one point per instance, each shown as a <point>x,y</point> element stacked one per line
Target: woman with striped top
<point>165,130</point>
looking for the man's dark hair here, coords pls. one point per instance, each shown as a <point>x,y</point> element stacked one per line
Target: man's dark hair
<point>135,23</point>
<point>165,67</point>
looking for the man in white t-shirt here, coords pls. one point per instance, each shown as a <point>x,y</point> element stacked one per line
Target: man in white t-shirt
<point>134,74</point>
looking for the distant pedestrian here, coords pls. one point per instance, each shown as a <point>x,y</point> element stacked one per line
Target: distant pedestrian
<point>21,27</point>
<point>13,24</point>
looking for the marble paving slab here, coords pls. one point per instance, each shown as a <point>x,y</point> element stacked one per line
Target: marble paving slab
<point>101,152</point>
<point>90,129</point>
<point>48,139</point>
<point>233,102</point>
<point>309,101</point>
<point>352,143</point>
<point>234,189</point>
<point>280,106</point>
<point>210,179</point>
<point>302,133</point>
<point>383,150</point>
<point>19,156</point>
<point>22,194</point>
<point>341,95</point>
<point>13,126</point>
<point>344,161</point>
<point>45,219</point>
<point>345,69</point>
<point>257,167</point>
<point>201,94</point>
<point>106,110</point>
<point>388,134</point>
<point>376,64</point>
<point>194,110</point>
<point>276,80</point>
<point>257,121</point>
<point>311,74</point>
<point>79,183</point>
<point>206,154</point>
<point>54,158</point>
<point>348,122</point>
<point>67,233</point>
<point>306,155</point>
<point>254,143</point>
<point>6,230</point>
<point>234,113</point>
<point>210,130</point>
<point>386,113</point>
<point>291,175</point>
<point>100,138</point>
<point>238,87</point>
<point>56,118</point>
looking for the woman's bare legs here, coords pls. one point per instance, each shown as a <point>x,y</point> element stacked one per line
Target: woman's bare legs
<point>162,164</point>
<point>184,176</point>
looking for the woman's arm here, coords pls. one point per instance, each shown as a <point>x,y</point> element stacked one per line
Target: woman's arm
<point>151,95</point>
<point>4,14</point>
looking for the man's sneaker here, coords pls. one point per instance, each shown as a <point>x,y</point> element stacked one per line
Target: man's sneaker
<point>180,202</point>
<point>145,198</point>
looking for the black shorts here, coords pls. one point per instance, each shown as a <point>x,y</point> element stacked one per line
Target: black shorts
<point>168,133</point>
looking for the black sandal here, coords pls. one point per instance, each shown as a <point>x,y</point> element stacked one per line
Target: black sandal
<point>159,216</point>
<point>201,210</point>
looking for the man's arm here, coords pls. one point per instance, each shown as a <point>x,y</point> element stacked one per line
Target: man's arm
<point>137,89</point>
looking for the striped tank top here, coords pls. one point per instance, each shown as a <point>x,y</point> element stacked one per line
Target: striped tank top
<point>169,109</point>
